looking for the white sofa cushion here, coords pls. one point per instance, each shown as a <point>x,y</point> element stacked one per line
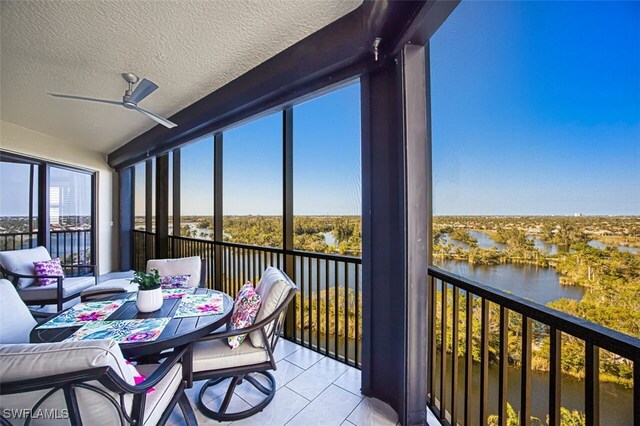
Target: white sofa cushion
<point>216,354</point>
<point>273,289</point>
<point>182,266</point>
<point>70,286</point>
<point>21,262</point>
<point>16,322</point>
<point>30,361</point>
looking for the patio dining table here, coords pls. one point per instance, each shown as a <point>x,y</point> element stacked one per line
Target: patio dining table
<point>177,332</point>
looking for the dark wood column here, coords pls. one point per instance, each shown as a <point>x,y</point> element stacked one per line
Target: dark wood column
<point>44,221</point>
<point>162,206</point>
<point>218,212</point>
<point>394,260</point>
<point>126,179</point>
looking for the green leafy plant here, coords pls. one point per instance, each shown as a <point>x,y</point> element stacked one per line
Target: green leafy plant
<point>146,281</point>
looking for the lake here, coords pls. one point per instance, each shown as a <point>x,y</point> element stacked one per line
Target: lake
<point>536,283</point>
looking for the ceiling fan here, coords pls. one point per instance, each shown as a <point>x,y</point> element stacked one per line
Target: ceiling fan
<point>131,98</point>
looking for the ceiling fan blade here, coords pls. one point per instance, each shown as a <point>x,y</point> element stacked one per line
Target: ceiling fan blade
<point>157,118</point>
<point>83,98</point>
<point>142,90</point>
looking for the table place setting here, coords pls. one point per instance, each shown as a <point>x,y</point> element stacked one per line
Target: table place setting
<point>195,305</point>
<point>122,331</point>
<point>168,293</point>
<point>84,313</point>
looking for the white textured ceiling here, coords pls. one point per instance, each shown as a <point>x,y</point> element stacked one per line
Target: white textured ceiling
<point>189,48</point>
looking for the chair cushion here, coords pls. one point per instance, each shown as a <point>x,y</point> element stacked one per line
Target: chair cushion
<point>158,400</point>
<point>48,267</point>
<point>16,321</point>
<point>273,289</point>
<point>31,361</point>
<point>21,262</point>
<point>216,354</point>
<point>70,286</point>
<point>245,310</point>
<point>183,266</point>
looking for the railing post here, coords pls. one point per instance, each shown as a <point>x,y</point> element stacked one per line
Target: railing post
<point>592,384</point>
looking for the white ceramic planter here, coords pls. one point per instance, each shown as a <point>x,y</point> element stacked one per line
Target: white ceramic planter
<point>149,300</point>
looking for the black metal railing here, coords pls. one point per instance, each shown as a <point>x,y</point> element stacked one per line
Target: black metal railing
<point>454,301</point>
<point>18,240</point>
<point>327,310</point>
<point>73,247</point>
<point>144,248</point>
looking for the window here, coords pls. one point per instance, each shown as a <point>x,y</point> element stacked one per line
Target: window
<point>196,189</point>
<point>253,183</point>
<point>70,215</point>
<point>327,173</point>
<point>18,205</point>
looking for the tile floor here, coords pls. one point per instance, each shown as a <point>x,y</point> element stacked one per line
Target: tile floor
<point>312,390</point>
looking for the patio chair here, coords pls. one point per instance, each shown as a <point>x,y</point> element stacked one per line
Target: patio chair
<point>88,382</point>
<point>214,361</point>
<point>17,265</point>
<point>193,266</point>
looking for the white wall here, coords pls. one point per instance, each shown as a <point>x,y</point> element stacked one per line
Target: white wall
<point>20,140</point>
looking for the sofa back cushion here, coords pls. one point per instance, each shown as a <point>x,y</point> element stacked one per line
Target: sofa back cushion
<point>182,266</point>
<point>16,321</point>
<point>273,288</point>
<point>21,262</point>
<point>31,361</point>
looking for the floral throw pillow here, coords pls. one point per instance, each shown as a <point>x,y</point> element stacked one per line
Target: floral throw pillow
<point>245,310</point>
<point>48,267</point>
<point>137,376</point>
<point>175,281</point>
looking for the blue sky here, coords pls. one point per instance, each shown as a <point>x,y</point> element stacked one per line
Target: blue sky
<point>536,108</point>
<point>326,162</point>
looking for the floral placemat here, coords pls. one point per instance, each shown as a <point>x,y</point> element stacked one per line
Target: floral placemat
<point>83,313</point>
<point>122,331</point>
<point>169,293</point>
<point>196,305</point>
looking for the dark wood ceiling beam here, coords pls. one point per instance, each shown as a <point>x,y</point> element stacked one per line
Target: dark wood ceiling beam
<point>341,50</point>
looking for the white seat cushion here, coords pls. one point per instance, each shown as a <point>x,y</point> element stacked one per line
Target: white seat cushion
<point>31,361</point>
<point>70,286</point>
<point>273,289</point>
<point>216,354</point>
<point>158,400</point>
<point>183,266</point>
<point>16,322</point>
<point>21,262</point>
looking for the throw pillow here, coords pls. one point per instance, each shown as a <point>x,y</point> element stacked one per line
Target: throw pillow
<point>245,310</point>
<point>175,281</point>
<point>50,268</point>
<point>137,376</point>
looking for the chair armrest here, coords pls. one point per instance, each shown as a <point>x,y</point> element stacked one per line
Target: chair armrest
<point>256,326</point>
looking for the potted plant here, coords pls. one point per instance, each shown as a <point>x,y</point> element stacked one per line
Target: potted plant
<point>149,291</point>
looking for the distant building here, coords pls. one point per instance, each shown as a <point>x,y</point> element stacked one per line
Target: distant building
<point>577,214</point>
